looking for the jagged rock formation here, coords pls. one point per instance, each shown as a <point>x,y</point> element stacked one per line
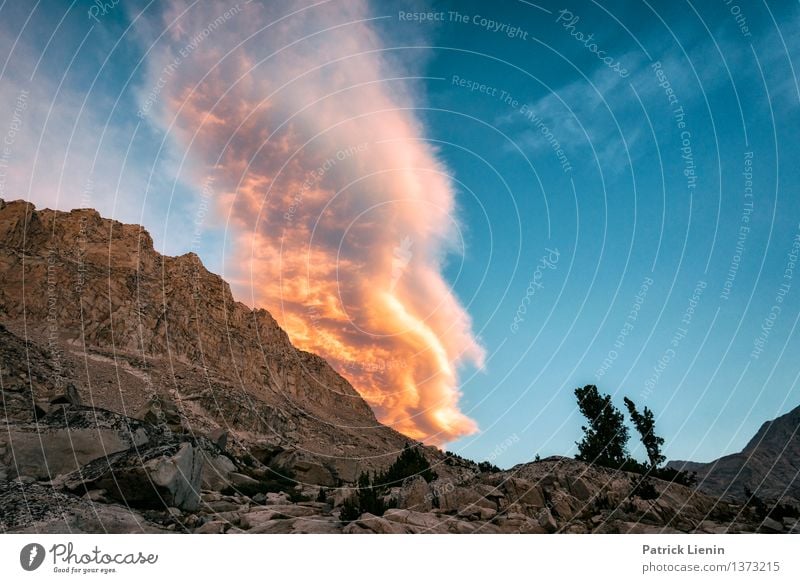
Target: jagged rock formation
<point>768,466</point>
<point>138,396</point>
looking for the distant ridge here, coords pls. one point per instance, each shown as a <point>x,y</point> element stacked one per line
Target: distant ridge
<point>768,466</point>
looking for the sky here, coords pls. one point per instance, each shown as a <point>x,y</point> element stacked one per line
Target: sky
<point>470,209</point>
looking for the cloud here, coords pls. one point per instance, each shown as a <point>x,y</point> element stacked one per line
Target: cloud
<point>340,215</point>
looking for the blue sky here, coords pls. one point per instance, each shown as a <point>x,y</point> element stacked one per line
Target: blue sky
<point>623,214</point>
<point>610,193</point>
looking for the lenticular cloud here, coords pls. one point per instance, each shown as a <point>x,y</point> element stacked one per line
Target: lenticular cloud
<point>339,211</point>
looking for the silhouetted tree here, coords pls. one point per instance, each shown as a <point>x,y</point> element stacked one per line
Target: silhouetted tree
<point>645,424</point>
<point>605,439</point>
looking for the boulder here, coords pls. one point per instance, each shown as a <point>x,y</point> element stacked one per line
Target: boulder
<point>455,498</point>
<point>157,477</point>
<point>316,525</point>
<point>178,476</point>
<point>215,472</point>
<point>219,437</point>
<point>69,397</point>
<point>770,525</point>
<point>580,489</point>
<point>61,443</point>
<point>415,494</point>
<point>425,522</point>
<point>263,515</point>
<point>309,472</point>
<point>212,527</point>
<point>278,526</point>
<point>546,520</point>
<point>376,524</point>
<point>524,492</point>
<point>160,411</point>
<point>238,480</point>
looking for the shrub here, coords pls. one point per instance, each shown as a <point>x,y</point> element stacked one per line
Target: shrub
<point>681,477</point>
<point>487,467</point>
<point>370,494</point>
<point>644,489</point>
<point>409,463</point>
<point>777,511</point>
<point>370,497</point>
<point>350,510</point>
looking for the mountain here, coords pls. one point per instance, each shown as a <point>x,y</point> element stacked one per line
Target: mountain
<point>768,466</point>
<point>136,395</point>
<point>127,326</point>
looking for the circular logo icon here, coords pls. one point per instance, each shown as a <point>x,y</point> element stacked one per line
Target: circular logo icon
<point>31,556</point>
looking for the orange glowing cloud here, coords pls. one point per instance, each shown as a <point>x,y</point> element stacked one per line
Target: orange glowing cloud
<point>340,213</point>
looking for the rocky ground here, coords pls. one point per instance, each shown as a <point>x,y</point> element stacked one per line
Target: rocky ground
<point>556,495</point>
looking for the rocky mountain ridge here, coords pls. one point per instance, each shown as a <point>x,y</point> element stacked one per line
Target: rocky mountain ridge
<point>138,396</point>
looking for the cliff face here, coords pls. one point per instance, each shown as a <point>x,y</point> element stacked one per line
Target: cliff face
<point>768,466</point>
<point>125,325</point>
